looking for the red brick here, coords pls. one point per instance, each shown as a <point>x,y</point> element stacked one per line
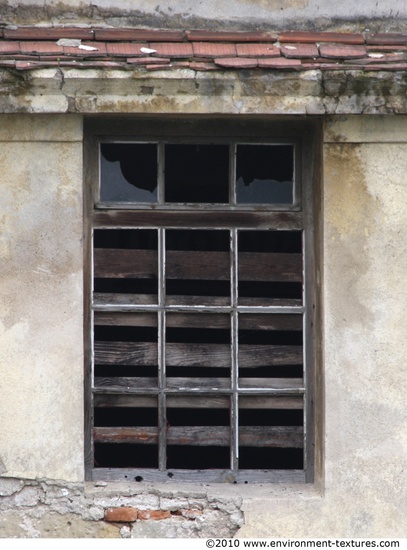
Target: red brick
<point>312,37</point>
<point>299,51</point>
<point>281,63</point>
<point>386,38</point>
<point>182,49</point>
<point>139,35</point>
<point>395,67</point>
<point>9,47</point>
<point>154,514</point>
<point>207,49</point>
<point>386,48</point>
<point>126,49</point>
<point>342,51</point>
<point>149,60</point>
<point>158,67</point>
<point>48,33</point>
<point>257,50</point>
<point>236,62</point>
<point>124,514</point>
<point>217,36</point>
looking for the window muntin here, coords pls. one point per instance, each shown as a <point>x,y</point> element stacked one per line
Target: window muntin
<point>242,298</point>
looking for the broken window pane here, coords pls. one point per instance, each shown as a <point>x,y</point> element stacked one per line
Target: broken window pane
<point>128,172</point>
<point>197,173</point>
<point>264,174</point>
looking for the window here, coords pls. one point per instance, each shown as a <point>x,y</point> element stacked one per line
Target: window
<point>201,301</point>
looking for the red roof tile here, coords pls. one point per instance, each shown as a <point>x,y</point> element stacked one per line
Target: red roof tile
<point>386,38</point>
<point>219,36</point>
<point>29,48</point>
<point>343,51</point>
<point>314,37</point>
<point>47,33</point>
<point>299,50</point>
<point>236,62</point>
<point>143,35</point>
<point>257,50</point>
<point>206,49</point>
<point>183,49</point>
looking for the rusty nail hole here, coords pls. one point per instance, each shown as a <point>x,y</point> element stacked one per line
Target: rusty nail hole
<point>170,474</point>
<point>138,478</point>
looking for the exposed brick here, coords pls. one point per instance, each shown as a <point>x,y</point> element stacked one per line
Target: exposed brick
<point>386,38</point>
<point>236,62</point>
<point>172,49</point>
<point>257,50</point>
<point>342,51</point>
<point>125,514</point>
<point>299,50</point>
<point>48,33</point>
<point>386,48</point>
<point>218,36</point>
<point>154,514</point>
<point>139,35</point>
<point>207,49</point>
<point>312,37</point>
<point>200,66</point>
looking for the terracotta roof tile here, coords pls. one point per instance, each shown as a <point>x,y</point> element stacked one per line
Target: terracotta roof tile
<point>182,49</point>
<point>219,36</point>
<point>281,63</point>
<point>9,47</point>
<point>257,50</point>
<point>313,37</point>
<point>299,50</point>
<point>386,38</point>
<point>236,62</point>
<point>206,49</point>
<point>148,60</point>
<point>125,49</point>
<point>343,51</point>
<point>47,33</point>
<point>143,35</point>
<point>30,47</point>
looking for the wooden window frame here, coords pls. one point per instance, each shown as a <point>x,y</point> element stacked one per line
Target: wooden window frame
<point>302,215</point>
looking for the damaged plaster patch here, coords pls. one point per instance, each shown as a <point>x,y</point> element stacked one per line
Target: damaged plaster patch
<point>3,468</point>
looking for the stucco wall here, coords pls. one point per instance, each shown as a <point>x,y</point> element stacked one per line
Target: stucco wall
<point>212,13</point>
<point>41,335</point>
<point>364,489</point>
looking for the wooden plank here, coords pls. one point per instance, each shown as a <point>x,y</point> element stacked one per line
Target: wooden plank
<point>198,476</point>
<point>206,301</point>
<point>287,384</point>
<point>198,384</point>
<point>125,319</point>
<point>125,263</point>
<point>101,299</point>
<point>247,301</point>
<point>190,264</point>
<point>126,353</point>
<point>198,402</point>
<point>250,321</point>
<point>144,435</point>
<point>260,266</point>
<point>198,320</point>
<point>220,219</point>
<point>125,383</point>
<point>198,355</point>
<point>252,356</point>
<point>205,436</point>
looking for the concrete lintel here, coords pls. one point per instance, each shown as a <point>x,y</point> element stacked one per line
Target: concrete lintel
<point>314,92</point>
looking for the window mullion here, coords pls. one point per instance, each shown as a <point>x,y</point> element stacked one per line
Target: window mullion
<point>234,413</point>
<point>162,413</point>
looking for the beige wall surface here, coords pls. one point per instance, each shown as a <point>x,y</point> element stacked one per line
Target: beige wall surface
<point>363,489</point>
<point>41,336</point>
